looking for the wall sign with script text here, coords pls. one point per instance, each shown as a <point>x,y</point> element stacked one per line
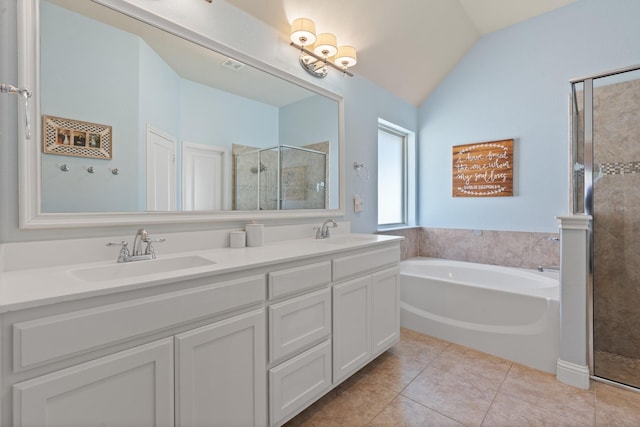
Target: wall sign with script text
<point>484,169</point>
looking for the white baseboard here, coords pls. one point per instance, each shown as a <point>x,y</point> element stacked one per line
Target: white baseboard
<point>572,374</point>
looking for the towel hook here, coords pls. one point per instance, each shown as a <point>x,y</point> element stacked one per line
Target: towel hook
<point>359,167</point>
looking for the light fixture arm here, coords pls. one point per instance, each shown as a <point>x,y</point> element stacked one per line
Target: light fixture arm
<point>321,59</point>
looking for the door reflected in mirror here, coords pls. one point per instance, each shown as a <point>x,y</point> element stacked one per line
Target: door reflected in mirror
<point>191,129</point>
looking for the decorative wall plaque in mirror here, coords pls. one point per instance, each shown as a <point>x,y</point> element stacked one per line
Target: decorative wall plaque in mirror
<point>195,134</point>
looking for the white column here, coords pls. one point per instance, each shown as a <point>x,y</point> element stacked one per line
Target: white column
<point>573,361</point>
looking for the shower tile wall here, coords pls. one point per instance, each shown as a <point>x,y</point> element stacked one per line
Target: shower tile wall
<point>616,199</point>
<point>508,248</point>
<point>304,178</point>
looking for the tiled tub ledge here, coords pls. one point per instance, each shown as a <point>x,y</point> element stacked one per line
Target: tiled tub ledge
<point>508,248</point>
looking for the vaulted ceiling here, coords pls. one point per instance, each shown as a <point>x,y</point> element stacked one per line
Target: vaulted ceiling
<point>404,46</point>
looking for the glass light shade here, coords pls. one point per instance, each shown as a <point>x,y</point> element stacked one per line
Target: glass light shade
<point>346,56</point>
<point>326,45</point>
<point>303,32</point>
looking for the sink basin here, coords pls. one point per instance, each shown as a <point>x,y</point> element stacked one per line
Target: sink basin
<point>349,239</point>
<point>140,268</point>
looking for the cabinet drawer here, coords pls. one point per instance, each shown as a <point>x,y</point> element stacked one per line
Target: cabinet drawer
<point>55,337</point>
<point>297,279</point>
<point>299,322</point>
<point>353,265</point>
<point>296,382</point>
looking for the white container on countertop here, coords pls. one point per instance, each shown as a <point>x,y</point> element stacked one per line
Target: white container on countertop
<point>255,234</point>
<point>237,239</point>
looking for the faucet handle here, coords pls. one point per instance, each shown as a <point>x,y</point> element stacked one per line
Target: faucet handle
<point>123,244</point>
<point>124,250</point>
<point>149,248</point>
<point>150,240</point>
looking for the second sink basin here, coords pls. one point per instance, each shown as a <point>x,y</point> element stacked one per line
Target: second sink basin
<point>140,268</point>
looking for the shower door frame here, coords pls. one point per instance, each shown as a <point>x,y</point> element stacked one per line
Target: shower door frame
<point>588,165</point>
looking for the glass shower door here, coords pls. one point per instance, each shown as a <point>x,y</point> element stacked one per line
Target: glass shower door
<point>614,203</point>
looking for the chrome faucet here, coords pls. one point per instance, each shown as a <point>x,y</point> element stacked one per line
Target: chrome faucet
<point>322,232</point>
<point>138,254</point>
<point>141,236</point>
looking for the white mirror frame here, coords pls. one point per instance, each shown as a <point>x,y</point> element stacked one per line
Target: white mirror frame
<point>30,186</point>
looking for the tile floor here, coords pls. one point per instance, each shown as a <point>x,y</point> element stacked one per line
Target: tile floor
<point>424,381</point>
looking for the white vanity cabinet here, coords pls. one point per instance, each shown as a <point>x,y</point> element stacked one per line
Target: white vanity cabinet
<point>248,346</point>
<point>348,324</point>
<point>213,374</point>
<point>366,309</point>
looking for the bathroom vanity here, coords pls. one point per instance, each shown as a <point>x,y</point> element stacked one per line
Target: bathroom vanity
<point>224,336</point>
<point>204,335</point>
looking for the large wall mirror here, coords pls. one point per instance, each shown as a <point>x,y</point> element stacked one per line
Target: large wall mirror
<point>133,120</point>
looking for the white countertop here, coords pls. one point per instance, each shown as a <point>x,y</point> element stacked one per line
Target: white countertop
<point>33,287</point>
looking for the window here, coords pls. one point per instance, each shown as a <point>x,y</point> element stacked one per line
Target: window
<point>396,176</point>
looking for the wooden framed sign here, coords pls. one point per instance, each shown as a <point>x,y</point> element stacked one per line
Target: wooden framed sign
<point>484,169</point>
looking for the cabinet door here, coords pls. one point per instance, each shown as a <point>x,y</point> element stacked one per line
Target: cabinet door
<point>221,373</point>
<point>385,309</point>
<point>351,326</point>
<point>127,389</point>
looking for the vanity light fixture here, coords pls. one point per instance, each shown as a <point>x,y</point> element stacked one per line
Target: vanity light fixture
<point>317,53</point>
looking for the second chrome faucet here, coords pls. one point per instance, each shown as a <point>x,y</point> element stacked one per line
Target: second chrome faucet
<point>322,232</point>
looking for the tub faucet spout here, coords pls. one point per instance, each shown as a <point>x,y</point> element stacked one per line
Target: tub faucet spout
<point>548,267</point>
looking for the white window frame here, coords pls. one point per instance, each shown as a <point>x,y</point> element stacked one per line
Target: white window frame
<point>409,177</point>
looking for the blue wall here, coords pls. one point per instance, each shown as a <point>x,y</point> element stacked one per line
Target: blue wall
<point>68,83</point>
<point>364,104</point>
<point>515,84</point>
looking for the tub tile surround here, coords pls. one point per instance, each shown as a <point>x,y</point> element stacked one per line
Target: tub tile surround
<point>410,246</point>
<point>424,381</point>
<point>507,248</point>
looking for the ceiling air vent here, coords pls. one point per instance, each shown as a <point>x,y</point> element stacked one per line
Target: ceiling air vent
<point>233,64</point>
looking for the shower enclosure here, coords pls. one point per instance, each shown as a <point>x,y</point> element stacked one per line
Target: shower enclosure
<point>605,113</point>
<point>280,177</point>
